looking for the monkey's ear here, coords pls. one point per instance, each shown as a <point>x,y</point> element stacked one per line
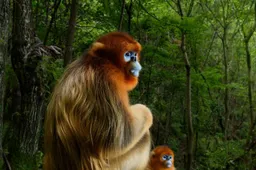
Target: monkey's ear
<point>152,154</point>
<point>96,46</point>
<point>139,46</point>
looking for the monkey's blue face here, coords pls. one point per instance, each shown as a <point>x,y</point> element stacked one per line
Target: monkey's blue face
<point>167,160</point>
<point>131,57</point>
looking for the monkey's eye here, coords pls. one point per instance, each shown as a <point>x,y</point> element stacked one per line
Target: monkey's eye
<point>130,56</point>
<point>165,157</point>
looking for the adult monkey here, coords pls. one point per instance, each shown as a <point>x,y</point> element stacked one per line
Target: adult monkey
<point>90,124</point>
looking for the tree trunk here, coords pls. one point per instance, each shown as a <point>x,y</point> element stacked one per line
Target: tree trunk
<point>190,138</point>
<point>247,38</point>
<point>24,65</point>
<point>148,93</point>
<point>121,16</point>
<point>129,14</point>
<point>226,95</point>
<point>167,127</point>
<point>168,121</point>
<point>71,32</point>
<point>188,105</point>
<point>4,33</point>
<point>249,74</point>
<point>197,122</point>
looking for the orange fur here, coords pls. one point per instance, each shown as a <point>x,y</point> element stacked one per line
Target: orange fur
<point>156,158</point>
<point>90,124</point>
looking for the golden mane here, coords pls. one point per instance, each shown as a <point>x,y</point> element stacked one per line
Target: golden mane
<point>74,119</point>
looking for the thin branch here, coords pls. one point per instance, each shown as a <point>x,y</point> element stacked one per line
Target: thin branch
<point>7,162</point>
<point>223,10</point>
<point>210,47</point>
<point>215,17</point>
<point>248,37</point>
<point>205,81</point>
<point>240,24</point>
<point>180,9</point>
<point>56,6</point>
<point>152,15</point>
<point>190,8</point>
<point>172,6</point>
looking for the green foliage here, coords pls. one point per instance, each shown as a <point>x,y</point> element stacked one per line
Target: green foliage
<point>50,71</point>
<point>222,156</point>
<point>23,162</point>
<point>39,159</point>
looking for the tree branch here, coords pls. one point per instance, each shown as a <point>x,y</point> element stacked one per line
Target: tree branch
<point>215,17</point>
<point>190,8</point>
<point>248,37</point>
<point>172,6</point>
<point>55,6</point>
<point>180,9</point>
<point>152,15</point>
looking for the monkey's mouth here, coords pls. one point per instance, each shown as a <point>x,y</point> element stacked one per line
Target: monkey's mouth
<point>168,164</point>
<point>135,69</point>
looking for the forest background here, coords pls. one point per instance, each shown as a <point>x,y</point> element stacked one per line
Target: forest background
<point>198,78</point>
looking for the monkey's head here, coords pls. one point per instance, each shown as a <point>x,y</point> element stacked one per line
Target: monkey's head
<point>162,157</point>
<point>121,51</point>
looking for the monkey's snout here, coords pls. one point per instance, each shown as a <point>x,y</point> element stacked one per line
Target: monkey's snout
<point>133,58</point>
<point>135,69</point>
<point>168,164</point>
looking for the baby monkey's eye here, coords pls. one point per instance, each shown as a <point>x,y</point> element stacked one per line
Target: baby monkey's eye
<point>165,157</point>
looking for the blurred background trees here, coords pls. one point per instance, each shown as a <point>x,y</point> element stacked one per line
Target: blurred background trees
<point>198,73</point>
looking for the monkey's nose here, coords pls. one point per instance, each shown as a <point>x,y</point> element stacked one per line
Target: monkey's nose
<point>133,58</point>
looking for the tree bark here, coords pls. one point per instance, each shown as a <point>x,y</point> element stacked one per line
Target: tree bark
<point>71,32</point>
<point>24,65</point>
<point>4,33</point>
